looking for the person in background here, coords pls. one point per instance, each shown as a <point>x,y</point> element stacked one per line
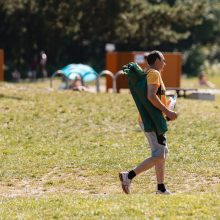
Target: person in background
<point>43,62</point>
<point>34,67</point>
<point>16,76</point>
<point>203,81</point>
<point>77,85</point>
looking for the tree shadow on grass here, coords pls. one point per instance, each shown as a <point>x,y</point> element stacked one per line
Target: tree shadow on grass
<point>10,97</point>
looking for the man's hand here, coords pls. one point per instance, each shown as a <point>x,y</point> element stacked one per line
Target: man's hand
<point>171,115</point>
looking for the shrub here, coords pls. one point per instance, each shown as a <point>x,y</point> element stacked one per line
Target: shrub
<point>193,61</point>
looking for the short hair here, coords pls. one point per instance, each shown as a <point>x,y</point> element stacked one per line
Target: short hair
<point>152,56</point>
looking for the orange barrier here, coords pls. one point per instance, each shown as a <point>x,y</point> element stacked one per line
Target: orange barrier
<point>1,65</point>
<point>115,61</point>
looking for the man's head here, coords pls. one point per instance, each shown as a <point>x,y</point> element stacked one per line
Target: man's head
<point>156,60</point>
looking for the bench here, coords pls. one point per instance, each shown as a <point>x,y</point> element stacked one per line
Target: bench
<point>181,92</point>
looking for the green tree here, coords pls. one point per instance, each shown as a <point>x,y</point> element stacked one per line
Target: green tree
<point>77,31</point>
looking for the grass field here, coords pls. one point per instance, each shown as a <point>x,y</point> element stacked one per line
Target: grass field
<point>193,82</point>
<point>61,152</point>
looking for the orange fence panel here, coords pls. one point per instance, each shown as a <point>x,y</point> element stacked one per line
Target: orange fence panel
<point>115,61</point>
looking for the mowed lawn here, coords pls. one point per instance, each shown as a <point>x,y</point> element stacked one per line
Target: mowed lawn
<point>61,152</point>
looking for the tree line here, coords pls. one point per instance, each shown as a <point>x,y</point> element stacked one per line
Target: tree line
<point>72,31</point>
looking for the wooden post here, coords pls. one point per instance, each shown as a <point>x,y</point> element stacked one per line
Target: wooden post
<point>1,65</point>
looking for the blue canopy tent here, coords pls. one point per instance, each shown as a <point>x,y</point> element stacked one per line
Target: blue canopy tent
<point>71,71</point>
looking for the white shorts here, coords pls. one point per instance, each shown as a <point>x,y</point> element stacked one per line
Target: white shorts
<point>157,144</point>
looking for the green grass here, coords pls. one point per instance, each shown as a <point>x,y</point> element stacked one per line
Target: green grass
<point>61,152</point>
<point>192,82</point>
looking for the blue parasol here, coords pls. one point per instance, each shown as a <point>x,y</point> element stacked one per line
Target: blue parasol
<point>71,71</point>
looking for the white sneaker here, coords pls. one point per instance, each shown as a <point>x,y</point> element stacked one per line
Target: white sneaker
<point>167,192</point>
<point>125,182</point>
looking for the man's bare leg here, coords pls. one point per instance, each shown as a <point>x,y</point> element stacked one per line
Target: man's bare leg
<point>147,164</point>
<point>160,171</point>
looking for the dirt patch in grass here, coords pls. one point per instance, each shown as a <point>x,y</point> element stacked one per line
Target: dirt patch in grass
<point>56,182</point>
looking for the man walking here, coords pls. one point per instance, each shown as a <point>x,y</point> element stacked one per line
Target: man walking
<point>156,139</point>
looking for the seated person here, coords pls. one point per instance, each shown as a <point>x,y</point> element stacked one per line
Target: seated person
<point>203,81</point>
<point>77,85</point>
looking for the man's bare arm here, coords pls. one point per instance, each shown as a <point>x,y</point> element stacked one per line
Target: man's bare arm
<point>154,99</point>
